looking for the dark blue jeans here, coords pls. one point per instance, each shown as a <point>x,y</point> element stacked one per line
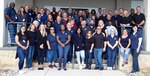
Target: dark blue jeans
<point>30,53</point>
<point>51,56</point>
<point>21,54</point>
<point>70,53</point>
<point>41,55</point>
<point>135,64</point>
<point>111,57</point>
<point>12,28</point>
<point>88,58</point>
<point>63,52</point>
<point>98,57</point>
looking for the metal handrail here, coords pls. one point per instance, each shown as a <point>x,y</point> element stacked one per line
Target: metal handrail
<point>8,42</point>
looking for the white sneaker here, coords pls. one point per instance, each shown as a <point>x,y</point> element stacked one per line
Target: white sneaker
<point>31,69</point>
<point>108,68</point>
<point>83,64</point>
<point>80,67</point>
<point>22,72</point>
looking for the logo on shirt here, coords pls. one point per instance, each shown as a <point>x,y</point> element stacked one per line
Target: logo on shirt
<point>65,33</point>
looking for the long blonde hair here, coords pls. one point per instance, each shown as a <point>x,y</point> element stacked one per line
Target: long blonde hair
<point>43,33</point>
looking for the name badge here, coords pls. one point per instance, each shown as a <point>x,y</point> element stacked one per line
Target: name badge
<point>65,33</point>
<point>23,20</point>
<point>24,41</point>
<point>29,13</point>
<point>15,17</point>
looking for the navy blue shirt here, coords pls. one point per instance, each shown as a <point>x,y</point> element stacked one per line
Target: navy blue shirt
<point>84,30</point>
<point>63,37</point>
<point>124,41</point>
<point>112,41</point>
<point>71,32</point>
<point>11,13</point>
<point>23,40</point>
<point>29,16</point>
<point>134,40</point>
<point>43,18</point>
<point>57,26</point>
<point>78,41</point>
<point>52,41</point>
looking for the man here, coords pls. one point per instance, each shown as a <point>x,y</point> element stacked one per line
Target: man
<point>132,13</point>
<point>11,17</point>
<point>139,18</point>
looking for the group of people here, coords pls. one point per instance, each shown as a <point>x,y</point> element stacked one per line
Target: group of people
<point>51,34</point>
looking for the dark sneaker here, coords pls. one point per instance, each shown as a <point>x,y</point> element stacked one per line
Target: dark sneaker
<point>59,68</point>
<point>96,68</point>
<point>101,68</point>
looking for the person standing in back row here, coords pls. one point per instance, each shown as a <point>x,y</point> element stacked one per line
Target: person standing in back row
<point>10,15</point>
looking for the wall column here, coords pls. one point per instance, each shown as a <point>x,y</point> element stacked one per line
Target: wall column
<point>147,25</point>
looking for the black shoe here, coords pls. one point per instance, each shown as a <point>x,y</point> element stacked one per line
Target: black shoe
<point>96,68</point>
<point>86,67</point>
<point>59,68</point>
<point>50,66</point>
<point>132,72</point>
<point>42,68</point>
<point>65,69</point>
<point>89,67</point>
<point>101,68</point>
<point>54,66</point>
<point>39,68</point>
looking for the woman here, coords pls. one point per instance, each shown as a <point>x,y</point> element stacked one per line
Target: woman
<point>124,43</point>
<point>126,20</point>
<point>63,39</point>
<point>41,44</point>
<point>112,42</point>
<point>22,46</point>
<point>99,47</point>
<point>78,41</point>
<point>136,41</point>
<point>32,42</point>
<point>48,26</point>
<point>52,48</point>
<point>22,17</point>
<point>89,44</point>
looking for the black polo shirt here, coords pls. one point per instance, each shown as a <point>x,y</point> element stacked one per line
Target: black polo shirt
<point>139,18</point>
<point>125,20</point>
<point>99,40</point>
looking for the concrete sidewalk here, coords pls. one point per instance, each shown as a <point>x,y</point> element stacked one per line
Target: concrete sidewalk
<point>71,72</point>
